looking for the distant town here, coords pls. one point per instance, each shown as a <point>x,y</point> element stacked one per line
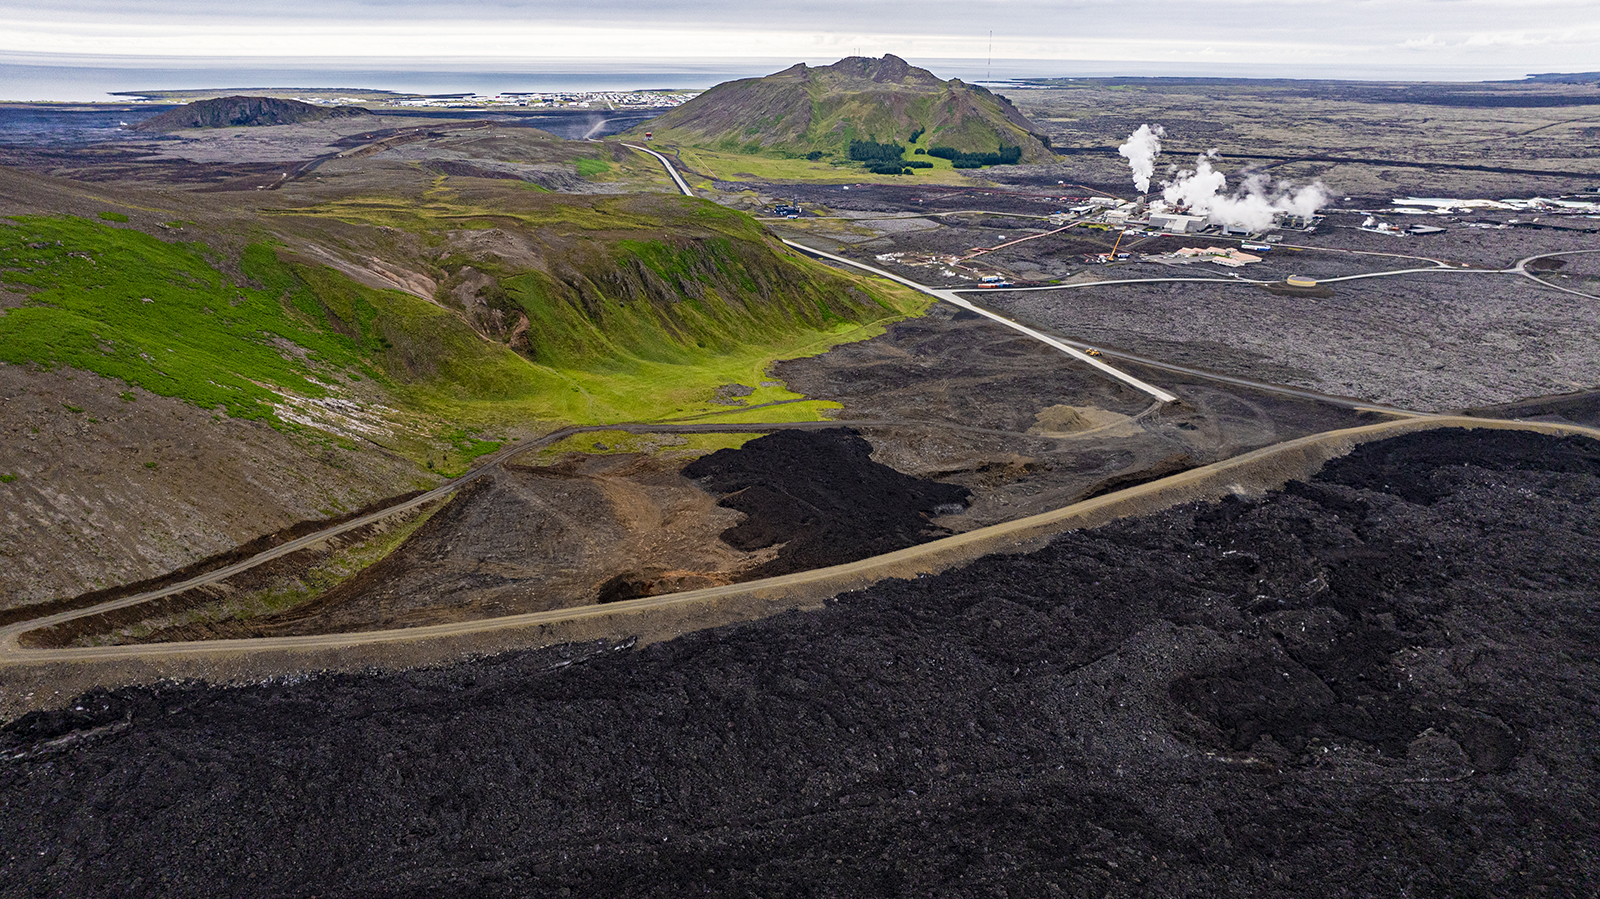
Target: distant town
<point>561,100</point>
<point>634,99</point>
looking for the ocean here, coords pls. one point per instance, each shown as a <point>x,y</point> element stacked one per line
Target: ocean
<point>29,77</point>
<point>100,86</point>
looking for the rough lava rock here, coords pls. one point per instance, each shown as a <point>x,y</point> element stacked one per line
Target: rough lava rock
<point>1382,681</point>
<point>820,495</point>
<point>224,112</point>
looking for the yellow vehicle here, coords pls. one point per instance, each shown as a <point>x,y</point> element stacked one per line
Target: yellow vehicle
<point>1092,352</point>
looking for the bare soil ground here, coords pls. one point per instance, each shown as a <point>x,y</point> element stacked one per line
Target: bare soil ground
<point>1384,675</point>
<point>985,408</point>
<point>998,425</point>
<point>109,490</point>
<point>524,539</point>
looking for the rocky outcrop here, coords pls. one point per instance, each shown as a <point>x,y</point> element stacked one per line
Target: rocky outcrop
<point>232,112</point>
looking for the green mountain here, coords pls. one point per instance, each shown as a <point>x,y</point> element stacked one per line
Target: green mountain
<point>803,110</point>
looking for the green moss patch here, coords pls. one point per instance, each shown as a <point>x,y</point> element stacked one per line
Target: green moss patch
<point>158,315</point>
<point>589,168</point>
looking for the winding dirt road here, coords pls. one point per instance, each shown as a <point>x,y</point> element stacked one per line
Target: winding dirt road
<point>1248,473</point>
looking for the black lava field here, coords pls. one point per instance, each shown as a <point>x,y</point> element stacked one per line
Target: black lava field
<point>820,495</point>
<point>1380,682</point>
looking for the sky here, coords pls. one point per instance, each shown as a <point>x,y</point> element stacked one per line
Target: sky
<point>1373,39</point>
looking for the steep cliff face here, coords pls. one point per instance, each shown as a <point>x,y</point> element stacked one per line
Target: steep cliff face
<point>225,112</point>
<point>803,110</point>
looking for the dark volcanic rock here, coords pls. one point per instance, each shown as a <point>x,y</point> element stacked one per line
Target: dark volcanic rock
<point>820,494</point>
<point>223,112</point>
<point>1334,691</point>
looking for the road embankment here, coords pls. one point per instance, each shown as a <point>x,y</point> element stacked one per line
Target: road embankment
<point>40,678</point>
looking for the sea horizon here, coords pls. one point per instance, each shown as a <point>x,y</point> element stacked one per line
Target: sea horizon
<point>40,78</point>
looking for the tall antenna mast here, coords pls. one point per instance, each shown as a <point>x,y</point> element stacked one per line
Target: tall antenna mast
<point>988,72</point>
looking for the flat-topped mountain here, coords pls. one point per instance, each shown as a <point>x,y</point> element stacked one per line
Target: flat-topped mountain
<point>803,110</point>
<point>225,112</point>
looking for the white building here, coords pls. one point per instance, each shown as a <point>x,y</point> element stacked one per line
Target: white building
<point>1177,224</point>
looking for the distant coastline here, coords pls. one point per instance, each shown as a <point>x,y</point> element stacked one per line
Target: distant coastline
<point>26,77</point>
<point>45,124</point>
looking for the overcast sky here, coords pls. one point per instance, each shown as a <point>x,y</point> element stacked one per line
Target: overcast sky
<point>1494,37</point>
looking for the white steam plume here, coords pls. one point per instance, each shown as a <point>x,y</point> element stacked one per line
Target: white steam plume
<point>1252,206</point>
<point>1141,150</point>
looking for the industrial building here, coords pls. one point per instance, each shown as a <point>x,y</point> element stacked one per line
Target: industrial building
<point>1177,223</point>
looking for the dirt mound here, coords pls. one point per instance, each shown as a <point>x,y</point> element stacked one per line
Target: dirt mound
<point>1329,691</point>
<point>1060,420</point>
<point>820,495</point>
<point>1285,289</point>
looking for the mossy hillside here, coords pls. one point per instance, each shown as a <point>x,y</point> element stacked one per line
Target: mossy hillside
<point>159,315</point>
<point>436,364</point>
<point>621,285</point>
<point>677,301</point>
<point>633,389</point>
<point>469,205</point>
<point>289,327</point>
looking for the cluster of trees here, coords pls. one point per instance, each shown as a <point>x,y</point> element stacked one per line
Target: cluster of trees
<point>872,151</point>
<point>962,160</point>
<point>897,168</point>
<point>889,159</point>
<point>881,159</point>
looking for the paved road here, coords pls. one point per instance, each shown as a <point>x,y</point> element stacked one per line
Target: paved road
<point>950,296</point>
<point>1239,279</point>
<point>1521,268</point>
<point>1348,402</point>
<point>1441,269</point>
<point>667,164</point>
